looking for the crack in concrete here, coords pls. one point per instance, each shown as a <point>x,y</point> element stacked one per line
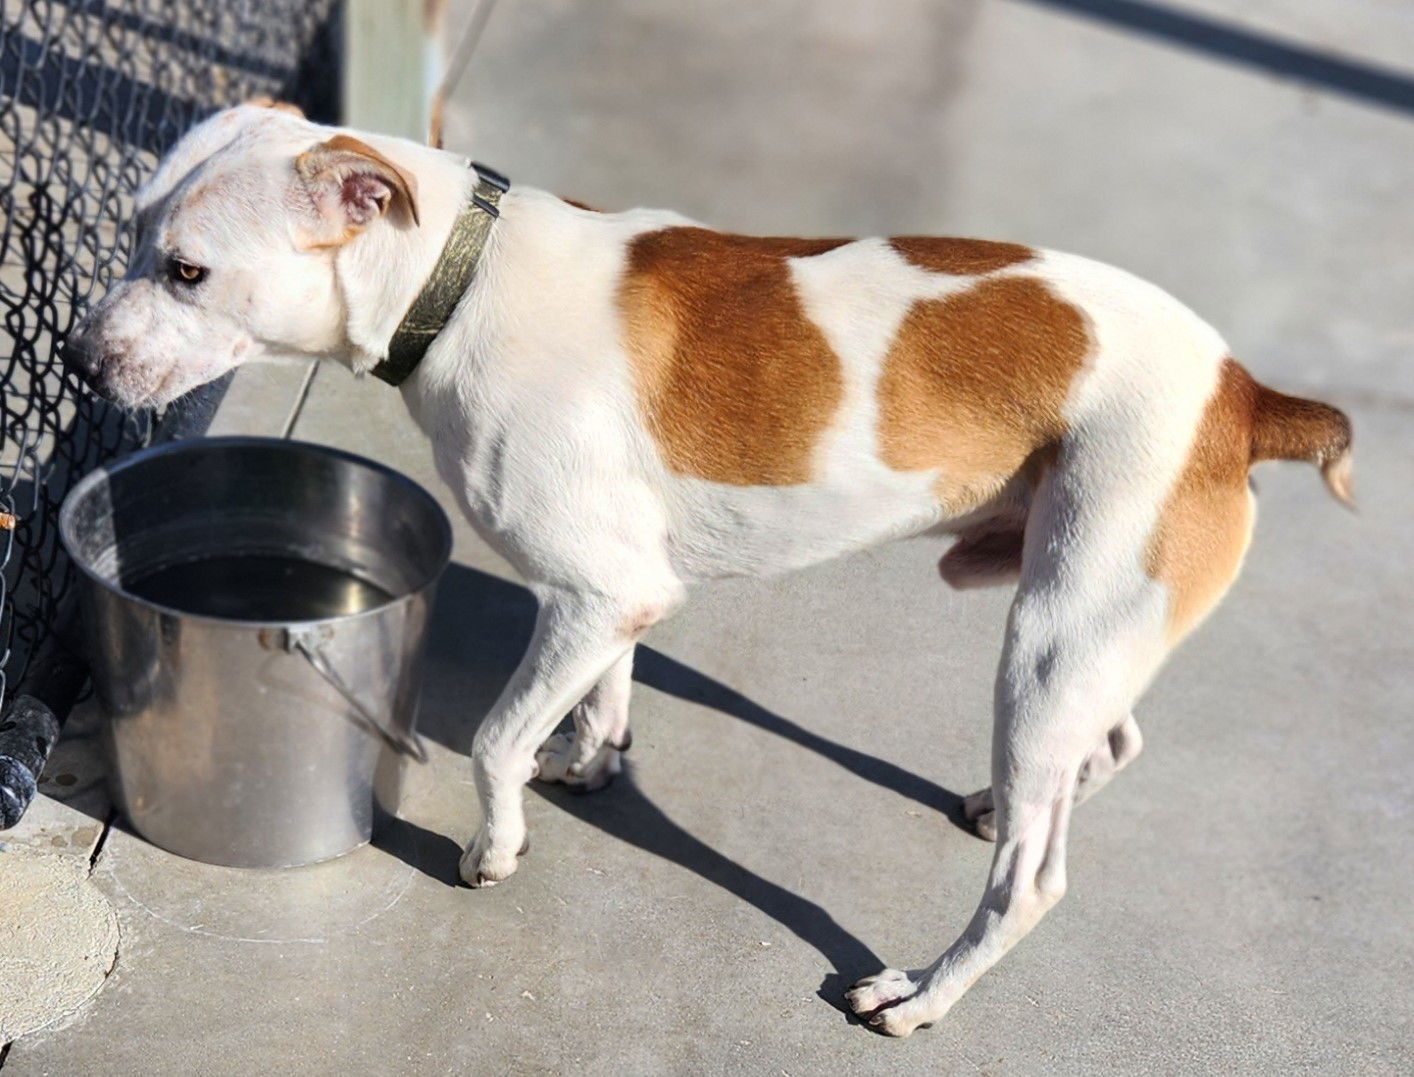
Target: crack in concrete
<point>98,845</point>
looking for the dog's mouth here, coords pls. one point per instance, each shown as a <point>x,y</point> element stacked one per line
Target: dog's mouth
<point>158,395</point>
<point>104,374</point>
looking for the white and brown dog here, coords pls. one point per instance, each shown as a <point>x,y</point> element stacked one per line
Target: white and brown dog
<point>625,404</point>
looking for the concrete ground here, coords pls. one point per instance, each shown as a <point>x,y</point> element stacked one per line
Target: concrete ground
<point>1239,899</point>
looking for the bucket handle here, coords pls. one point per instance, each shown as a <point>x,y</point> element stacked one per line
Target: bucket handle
<point>309,643</point>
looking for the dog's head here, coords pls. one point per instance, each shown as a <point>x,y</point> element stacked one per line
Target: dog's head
<point>233,254</point>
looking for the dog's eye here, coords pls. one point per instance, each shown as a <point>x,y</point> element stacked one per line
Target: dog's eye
<point>184,272</point>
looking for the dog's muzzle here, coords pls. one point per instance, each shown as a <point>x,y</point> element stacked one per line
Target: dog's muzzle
<point>83,362</point>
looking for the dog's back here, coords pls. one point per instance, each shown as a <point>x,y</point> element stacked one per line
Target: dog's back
<point>824,394</point>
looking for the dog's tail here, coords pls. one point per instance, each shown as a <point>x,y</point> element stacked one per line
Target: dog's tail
<point>1291,428</point>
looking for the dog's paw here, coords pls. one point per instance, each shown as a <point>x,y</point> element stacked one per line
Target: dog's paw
<point>561,760</point>
<point>980,810</point>
<point>882,1001</point>
<point>483,865</point>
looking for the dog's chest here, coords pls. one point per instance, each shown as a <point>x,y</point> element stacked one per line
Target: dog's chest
<point>473,448</point>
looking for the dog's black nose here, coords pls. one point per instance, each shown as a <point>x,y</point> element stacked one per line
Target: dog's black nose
<point>78,360</point>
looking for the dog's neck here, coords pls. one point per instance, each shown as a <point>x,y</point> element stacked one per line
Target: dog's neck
<point>382,271</point>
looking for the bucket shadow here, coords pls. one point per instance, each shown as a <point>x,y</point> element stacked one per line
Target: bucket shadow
<point>434,855</point>
<point>480,628</point>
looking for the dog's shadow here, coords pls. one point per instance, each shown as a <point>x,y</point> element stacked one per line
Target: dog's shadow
<point>480,629</point>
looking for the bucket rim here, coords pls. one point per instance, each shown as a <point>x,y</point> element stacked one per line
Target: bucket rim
<point>237,441</point>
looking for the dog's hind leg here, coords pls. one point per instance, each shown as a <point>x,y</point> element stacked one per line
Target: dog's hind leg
<point>1120,747</point>
<point>984,558</point>
<point>1062,682</point>
<point>1108,588</point>
<point>589,758</point>
<point>1090,625</point>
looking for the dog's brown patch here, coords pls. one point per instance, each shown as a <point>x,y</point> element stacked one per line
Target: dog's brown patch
<point>306,240</point>
<point>974,384</point>
<point>207,192</point>
<point>961,257</point>
<point>1206,522</point>
<point>736,382</point>
<point>640,620</point>
<point>266,101</point>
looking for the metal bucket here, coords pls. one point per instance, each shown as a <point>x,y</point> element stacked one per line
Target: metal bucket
<point>256,611</point>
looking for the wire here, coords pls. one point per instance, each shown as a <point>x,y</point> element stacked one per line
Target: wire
<point>456,65</point>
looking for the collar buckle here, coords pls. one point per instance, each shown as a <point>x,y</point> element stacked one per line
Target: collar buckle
<point>491,176</point>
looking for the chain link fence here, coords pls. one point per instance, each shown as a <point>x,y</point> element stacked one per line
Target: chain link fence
<point>92,92</point>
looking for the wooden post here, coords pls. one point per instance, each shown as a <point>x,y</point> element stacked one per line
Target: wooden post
<point>392,65</point>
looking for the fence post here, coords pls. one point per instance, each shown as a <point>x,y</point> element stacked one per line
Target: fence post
<point>392,65</point>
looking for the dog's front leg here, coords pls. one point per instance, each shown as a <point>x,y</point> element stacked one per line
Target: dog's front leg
<point>577,639</point>
<point>588,759</point>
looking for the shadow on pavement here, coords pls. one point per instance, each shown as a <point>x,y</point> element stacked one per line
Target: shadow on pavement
<point>480,628</point>
<point>433,854</point>
<point>1235,44</point>
<point>623,811</point>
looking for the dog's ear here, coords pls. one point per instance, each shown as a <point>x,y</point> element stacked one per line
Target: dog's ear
<point>352,185</point>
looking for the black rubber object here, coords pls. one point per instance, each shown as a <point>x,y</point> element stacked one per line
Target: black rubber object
<point>27,734</point>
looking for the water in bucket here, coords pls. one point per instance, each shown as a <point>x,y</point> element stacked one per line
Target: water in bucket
<point>258,588</point>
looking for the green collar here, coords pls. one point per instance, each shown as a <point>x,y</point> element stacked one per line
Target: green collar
<point>451,276</point>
